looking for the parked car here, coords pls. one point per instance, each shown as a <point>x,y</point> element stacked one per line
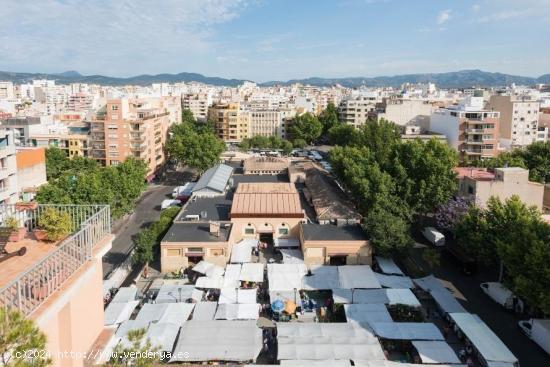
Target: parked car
<point>183,193</point>
<point>169,202</point>
<point>434,236</point>
<point>538,330</point>
<point>502,295</point>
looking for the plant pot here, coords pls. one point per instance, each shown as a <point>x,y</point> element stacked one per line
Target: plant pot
<point>32,205</point>
<point>18,234</point>
<point>40,234</point>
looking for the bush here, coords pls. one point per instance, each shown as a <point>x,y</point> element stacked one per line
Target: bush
<point>57,224</point>
<point>12,223</point>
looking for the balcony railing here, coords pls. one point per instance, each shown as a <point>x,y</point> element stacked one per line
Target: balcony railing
<point>31,288</point>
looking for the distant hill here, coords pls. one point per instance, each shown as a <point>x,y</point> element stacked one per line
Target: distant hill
<point>456,79</point>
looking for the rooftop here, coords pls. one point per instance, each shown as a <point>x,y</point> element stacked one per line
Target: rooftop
<point>266,200</point>
<point>265,164</point>
<point>196,232</point>
<point>209,208</point>
<point>329,232</point>
<point>478,174</point>
<point>214,179</point>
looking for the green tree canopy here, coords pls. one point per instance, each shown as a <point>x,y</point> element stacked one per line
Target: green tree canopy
<point>329,117</point>
<point>139,352</point>
<point>344,135</point>
<point>306,127</point>
<point>299,143</point>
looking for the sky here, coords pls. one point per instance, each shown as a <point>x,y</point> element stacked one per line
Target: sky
<point>265,40</point>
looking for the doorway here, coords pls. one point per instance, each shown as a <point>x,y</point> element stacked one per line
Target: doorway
<point>338,260</point>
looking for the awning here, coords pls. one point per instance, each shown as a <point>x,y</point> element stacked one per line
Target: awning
<point>286,242</point>
<point>341,295</point>
<point>291,256</point>
<point>367,313</point>
<point>233,295</point>
<point>204,311</point>
<point>167,313</point>
<point>130,325</point>
<point>388,266</point>
<point>313,363</point>
<point>252,272</point>
<point>208,269</point>
<point>242,251</point>
<point>441,295</point>
<point>286,296</point>
<point>125,294</point>
<point>402,297</point>
<point>232,271</point>
<point>172,293</point>
<point>435,352</point>
<point>163,335</point>
<point>285,277</point>
<point>357,276</point>
<point>239,311</point>
<point>482,338</point>
<point>322,277</point>
<point>211,282</point>
<point>394,281</point>
<point>233,341</point>
<point>117,313</point>
<point>406,330</point>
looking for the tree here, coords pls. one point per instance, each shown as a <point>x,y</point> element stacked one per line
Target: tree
<point>344,135</point>
<point>505,159</point>
<point>19,335</point>
<point>200,150</point>
<point>144,248</point>
<point>56,162</point>
<point>137,352</point>
<point>473,235</point>
<point>306,127</point>
<point>389,234</point>
<point>286,146</point>
<point>329,117</point>
<point>187,116</point>
<point>380,136</point>
<point>432,257</point>
<point>537,159</point>
<point>299,143</point>
<point>449,214</point>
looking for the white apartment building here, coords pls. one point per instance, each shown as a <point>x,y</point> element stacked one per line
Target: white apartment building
<point>8,168</point>
<point>198,104</point>
<point>406,111</point>
<point>267,123</point>
<point>7,90</point>
<point>469,128</point>
<point>356,111</point>
<point>519,119</point>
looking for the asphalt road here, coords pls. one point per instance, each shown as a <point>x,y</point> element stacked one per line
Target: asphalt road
<point>502,322</point>
<point>147,211</point>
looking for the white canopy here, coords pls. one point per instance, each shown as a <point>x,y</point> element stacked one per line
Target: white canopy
<point>117,313</point>
<point>285,277</point>
<point>444,299</point>
<point>130,325</point>
<point>286,242</point>
<point>367,313</point>
<point>334,330</point>
<point>394,281</point>
<point>291,349</point>
<point>242,251</point>
<point>234,311</point>
<point>205,311</point>
<point>286,296</point>
<point>483,339</point>
<point>322,277</point>
<point>388,266</point>
<point>357,276</point>
<point>163,335</point>
<point>291,256</point>
<point>312,363</point>
<point>233,271</point>
<point>341,295</point>
<point>371,296</point>
<point>402,296</point>
<point>435,352</point>
<point>236,341</point>
<point>211,282</point>
<point>252,272</point>
<point>208,269</point>
<point>171,313</point>
<point>170,293</point>
<point>234,295</point>
<point>407,330</point>
<point>125,294</point>
<point>364,363</point>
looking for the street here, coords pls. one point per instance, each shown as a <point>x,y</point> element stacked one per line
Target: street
<point>502,322</point>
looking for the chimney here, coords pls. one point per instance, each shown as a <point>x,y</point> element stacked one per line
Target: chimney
<point>215,228</point>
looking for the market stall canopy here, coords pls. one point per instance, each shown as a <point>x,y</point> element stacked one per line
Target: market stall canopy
<point>167,313</point>
<point>163,335</point>
<point>444,299</point>
<point>285,277</point>
<point>173,293</point>
<point>117,313</point>
<point>286,242</point>
<point>232,341</point>
<point>233,271</point>
<point>213,282</point>
<point>130,325</point>
<point>406,330</point>
<point>242,251</point>
<point>341,295</point>
<point>312,363</point>
<point>291,256</point>
<point>367,313</point>
<point>394,281</point>
<point>125,294</point>
<point>388,266</point>
<point>357,276</point>
<point>234,295</point>
<point>286,295</point>
<point>205,311</point>
<point>483,339</point>
<point>435,352</point>
<point>364,363</point>
<point>208,269</point>
<point>252,272</point>
<point>234,311</point>
<point>322,277</point>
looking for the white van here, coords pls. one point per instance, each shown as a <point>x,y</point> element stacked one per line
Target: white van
<point>538,330</point>
<point>434,236</point>
<point>166,203</point>
<point>502,295</point>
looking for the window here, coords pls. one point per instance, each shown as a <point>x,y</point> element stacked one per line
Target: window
<point>173,252</point>
<point>195,250</point>
<point>470,190</point>
<point>114,108</point>
<point>249,230</point>
<point>283,231</point>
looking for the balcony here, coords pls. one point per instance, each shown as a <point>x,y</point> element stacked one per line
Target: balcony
<point>474,131</point>
<point>27,281</point>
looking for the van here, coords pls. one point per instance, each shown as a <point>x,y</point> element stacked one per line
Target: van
<point>502,295</point>
<point>169,202</point>
<point>434,236</point>
<point>537,330</point>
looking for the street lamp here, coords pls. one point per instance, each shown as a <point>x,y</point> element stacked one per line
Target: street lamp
<point>179,291</point>
<point>352,294</point>
<point>295,296</point>
<point>237,294</point>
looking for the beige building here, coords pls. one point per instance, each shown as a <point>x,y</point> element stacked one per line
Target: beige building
<point>405,111</point>
<point>265,166</point>
<point>334,245</point>
<point>503,183</point>
<point>198,104</point>
<point>231,123</point>
<point>267,123</point>
<point>357,111</point>
<point>519,119</point>
<point>131,128</point>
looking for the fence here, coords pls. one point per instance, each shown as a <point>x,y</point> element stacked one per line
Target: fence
<point>90,223</point>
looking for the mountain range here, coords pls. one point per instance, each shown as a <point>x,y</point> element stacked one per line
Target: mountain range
<point>455,79</point>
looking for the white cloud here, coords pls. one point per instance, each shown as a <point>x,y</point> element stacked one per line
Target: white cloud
<point>476,7</point>
<point>444,16</point>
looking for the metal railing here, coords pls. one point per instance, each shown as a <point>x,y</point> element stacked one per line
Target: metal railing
<point>90,223</point>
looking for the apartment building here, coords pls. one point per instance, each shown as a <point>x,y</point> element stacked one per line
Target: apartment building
<point>31,171</point>
<point>481,185</point>
<point>21,128</point>
<point>519,119</point>
<point>8,168</point>
<point>7,90</point>
<point>80,102</point>
<point>405,111</point>
<point>74,145</point>
<point>231,123</point>
<point>198,104</point>
<point>469,128</point>
<point>267,123</point>
<point>130,128</point>
<point>356,111</point>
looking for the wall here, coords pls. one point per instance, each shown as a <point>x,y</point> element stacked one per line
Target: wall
<point>169,263</point>
<point>239,225</point>
<point>530,193</point>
